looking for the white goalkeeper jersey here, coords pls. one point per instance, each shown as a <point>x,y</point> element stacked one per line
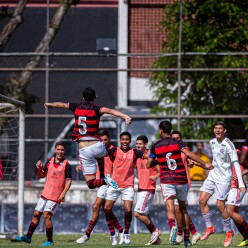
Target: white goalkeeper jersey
<point>224,154</point>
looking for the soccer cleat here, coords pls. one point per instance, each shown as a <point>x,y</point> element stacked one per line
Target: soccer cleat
<point>109,181</point>
<point>210,230</point>
<point>228,239</point>
<point>47,243</point>
<point>196,237</point>
<point>179,239</point>
<point>187,243</point>
<point>173,235</point>
<point>114,239</point>
<point>155,235</point>
<point>127,239</point>
<point>23,239</point>
<point>83,239</point>
<point>121,238</point>
<point>158,241</point>
<point>243,243</point>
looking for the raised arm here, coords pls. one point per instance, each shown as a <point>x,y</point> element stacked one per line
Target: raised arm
<point>56,105</point>
<point>116,113</point>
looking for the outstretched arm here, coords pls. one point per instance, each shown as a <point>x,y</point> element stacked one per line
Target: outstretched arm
<point>198,161</point>
<point>116,113</point>
<point>56,105</point>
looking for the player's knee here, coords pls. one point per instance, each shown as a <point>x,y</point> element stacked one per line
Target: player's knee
<point>136,214</point>
<point>202,201</point>
<point>95,208</point>
<point>47,216</point>
<point>220,206</point>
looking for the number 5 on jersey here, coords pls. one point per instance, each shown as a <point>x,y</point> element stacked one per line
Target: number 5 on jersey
<point>82,125</point>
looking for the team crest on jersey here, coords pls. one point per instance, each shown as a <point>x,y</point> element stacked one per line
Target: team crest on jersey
<point>222,150</point>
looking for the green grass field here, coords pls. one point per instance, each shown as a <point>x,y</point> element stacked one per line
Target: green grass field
<point>102,240</point>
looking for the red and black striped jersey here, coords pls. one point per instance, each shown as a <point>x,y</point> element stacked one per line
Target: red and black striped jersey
<point>87,117</point>
<point>168,153</point>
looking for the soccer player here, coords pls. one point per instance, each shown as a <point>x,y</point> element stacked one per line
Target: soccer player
<point>195,234</point>
<point>173,177</point>
<point>234,200</point>
<point>123,159</point>
<point>146,190</point>
<point>101,192</point>
<point>87,117</point>
<point>57,171</point>
<point>219,181</point>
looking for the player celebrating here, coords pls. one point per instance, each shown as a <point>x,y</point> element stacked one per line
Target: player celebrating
<point>87,117</point>
<point>173,176</point>
<point>101,192</point>
<point>57,171</point>
<point>195,234</point>
<point>123,160</point>
<point>146,190</point>
<point>219,180</point>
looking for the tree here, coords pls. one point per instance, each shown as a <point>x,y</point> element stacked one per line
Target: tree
<point>15,21</point>
<point>16,86</point>
<point>209,26</point>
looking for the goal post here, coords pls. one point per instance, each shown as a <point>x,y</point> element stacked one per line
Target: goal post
<point>6,103</point>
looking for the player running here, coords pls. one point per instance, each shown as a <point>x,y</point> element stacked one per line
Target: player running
<point>102,191</point>
<point>195,234</point>
<point>146,190</point>
<point>219,181</point>
<point>87,117</point>
<point>173,177</point>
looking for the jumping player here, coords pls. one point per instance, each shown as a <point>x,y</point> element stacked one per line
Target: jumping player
<point>57,171</point>
<point>146,190</point>
<point>195,234</point>
<point>101,192</point>
<point>219,181</point>
<point>123,159</point>
<point>87,117</point>
<point>173,177</point>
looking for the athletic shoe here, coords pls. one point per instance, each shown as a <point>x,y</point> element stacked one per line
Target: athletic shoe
<point>196,237</point>
<point>109,181</point>
<point>155,235</point>
<point>23,239</point>
<point>187,243</point>
<point>179,239</point>
<point>47,243</point>
<point>173,235</point>
<point>210,230</point>
<point>83,239</point>
<point>114,239</point>
<point>243,243</point>
<point>158,241</point>
<point>228,239</point>
<point>121,238</point>
<point>127,239</point>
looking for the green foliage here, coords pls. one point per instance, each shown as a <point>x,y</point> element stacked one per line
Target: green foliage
<point>208,26</point>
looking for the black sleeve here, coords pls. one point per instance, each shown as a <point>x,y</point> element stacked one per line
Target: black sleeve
<point>181,145</point>
<point>112,153</point>
<point>68,171</point>
<point>97,110</point>
<point>138,153</point>
<point>73,106</point>
<point>45,167</point>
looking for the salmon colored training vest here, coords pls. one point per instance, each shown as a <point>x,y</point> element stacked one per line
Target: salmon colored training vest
<point>123,168</point>
<point>55,181</point>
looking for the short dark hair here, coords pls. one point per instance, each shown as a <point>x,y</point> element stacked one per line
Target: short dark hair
<point>176,132</point>
<point>103,133</point>
<point>165,126</point>
<point>220,123</point>
<point>143,138</point>
<point>127,134</point>
<point>59,143</point>
<point>89,95</point>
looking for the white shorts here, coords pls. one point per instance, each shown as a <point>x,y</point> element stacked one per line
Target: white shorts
<point>88,155</point>
<point>170,191</point>
<point>176,202</point>
<point>220,190</point>
<point>235,197</point>
<point>127,194</point>
<point>102,191</point>
<point>46,206</point>
<point>144,201</point>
